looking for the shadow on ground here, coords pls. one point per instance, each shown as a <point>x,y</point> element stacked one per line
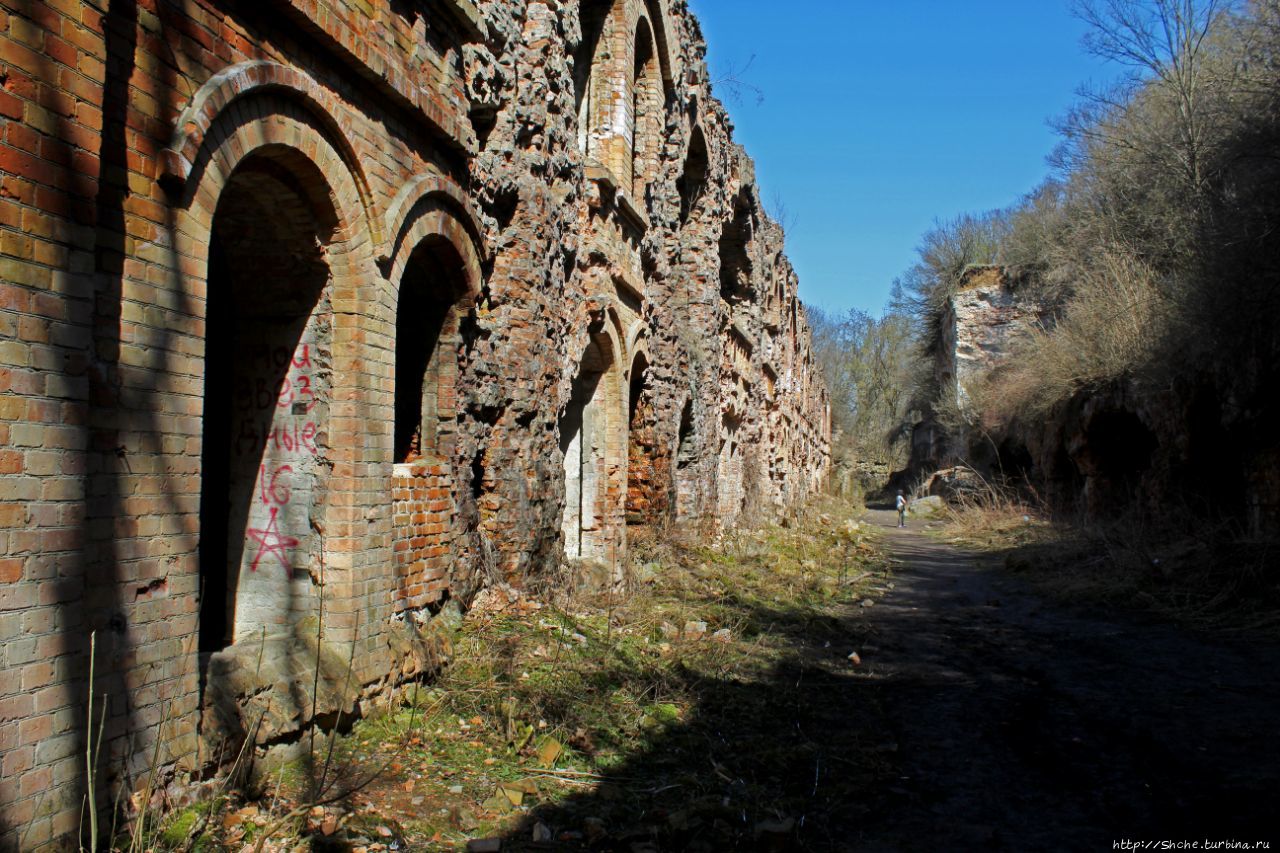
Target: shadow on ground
<point>981,716</point>
<point>796,754</point>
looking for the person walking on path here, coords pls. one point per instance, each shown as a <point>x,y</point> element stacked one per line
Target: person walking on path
<point>902,510</point>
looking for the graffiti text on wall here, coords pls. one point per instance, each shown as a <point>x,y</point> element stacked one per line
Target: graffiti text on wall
<point>273,420</point>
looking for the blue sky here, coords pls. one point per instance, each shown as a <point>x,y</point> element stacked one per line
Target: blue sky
<point>880,117</point>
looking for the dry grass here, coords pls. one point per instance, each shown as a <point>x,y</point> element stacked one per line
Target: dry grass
<point>1108,330</point>
<point>1184,570</point>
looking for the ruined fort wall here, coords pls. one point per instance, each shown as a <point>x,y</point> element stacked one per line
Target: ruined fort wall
<point>238,239</point>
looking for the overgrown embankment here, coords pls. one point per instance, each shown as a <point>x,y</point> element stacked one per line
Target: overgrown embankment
<point>701,706</point>
<point>1109,340</point>
<point>1206,577</point>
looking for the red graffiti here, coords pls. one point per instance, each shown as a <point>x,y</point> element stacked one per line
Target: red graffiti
<point>274,383</point>
<point>275,491</point>
<point>263,356</point>
<point>291,437</point>
<point>304,391</point>
<point>298,390</point>
<point>259,394</point>
<point>271,541</point>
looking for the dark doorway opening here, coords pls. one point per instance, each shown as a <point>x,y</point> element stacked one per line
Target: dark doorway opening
<point>691,181</point>
<point>264,375</point>
<point>686,457</point>
<point>641,462</point>
<point>426,357</point>
<point>585,444</point>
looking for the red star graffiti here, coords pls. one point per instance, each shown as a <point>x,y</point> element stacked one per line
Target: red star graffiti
<point>271,541</point>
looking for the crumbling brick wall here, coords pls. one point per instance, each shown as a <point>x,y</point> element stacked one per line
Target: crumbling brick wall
<point>314,317</point>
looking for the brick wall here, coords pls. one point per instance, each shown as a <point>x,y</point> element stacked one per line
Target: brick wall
<point>208,213</point>
<point>422,515</point>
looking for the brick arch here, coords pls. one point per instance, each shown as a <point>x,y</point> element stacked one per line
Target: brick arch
<point>647,467</point>
<point>427,206</point>
<point>267,128</point>
<point>268,122</point>
<point>693,174</point>
<point>657,16</point>
<point>685,495</point>
<point>432,271</point>
<point>650,91</point>
<point>637,342</point>
<point>248,79</point>
<point>616,331</point>
<point>594,419</point>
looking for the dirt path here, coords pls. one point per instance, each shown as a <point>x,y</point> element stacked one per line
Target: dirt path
<point>1026,724</point>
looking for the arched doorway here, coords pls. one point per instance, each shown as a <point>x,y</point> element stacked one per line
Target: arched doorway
<point>589,428</point>
<point>648,101</point>
<point>729,479</point>
<point>642,474</point>
<point>590,78</point>
<point>685,479</point>
<point>694,176</point>
<point>424,436</point>
<point>268,374</point>
<point>427,353</point>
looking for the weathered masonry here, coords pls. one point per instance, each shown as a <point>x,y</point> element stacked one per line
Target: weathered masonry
<point>317,316</point>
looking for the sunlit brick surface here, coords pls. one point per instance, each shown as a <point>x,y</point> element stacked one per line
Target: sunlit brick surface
<point>210,219</point>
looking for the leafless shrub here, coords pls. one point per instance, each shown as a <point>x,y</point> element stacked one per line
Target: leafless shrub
<point>1105,333</point>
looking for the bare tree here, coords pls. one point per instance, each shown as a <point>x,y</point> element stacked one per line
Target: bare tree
<point>736,86</point>
<point>1165,44</point>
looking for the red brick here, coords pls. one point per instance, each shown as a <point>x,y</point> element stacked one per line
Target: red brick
<point>10,106</point>
<point>21,136</point>
<point>135,349</point>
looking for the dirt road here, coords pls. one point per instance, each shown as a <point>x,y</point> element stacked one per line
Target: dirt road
<point>1026,724</point>
<point>976,715</point>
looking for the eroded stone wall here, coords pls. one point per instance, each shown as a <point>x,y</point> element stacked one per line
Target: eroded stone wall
<point>315,316</point>
<point>983,320</point>
<point>981,324</point>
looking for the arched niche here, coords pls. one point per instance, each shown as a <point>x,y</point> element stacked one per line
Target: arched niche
<point>268,388</point>
<point>642,445</point>
<point>736,267</point>
<point>429,305</point>
<point>433,281</point>
<point>648,108</point>
<point>621,82</point>
<point>591,430</point>
<point>693,177</point>
<point>684,478</point>
<point>730,479</point>
<point>591,84</point>
<point>271,241</point>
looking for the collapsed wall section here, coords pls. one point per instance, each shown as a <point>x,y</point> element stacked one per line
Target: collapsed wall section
<point>313,323</point>
<point>1107,449</point>
<point>983,322</point>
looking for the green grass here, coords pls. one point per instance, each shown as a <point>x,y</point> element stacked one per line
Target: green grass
<point>633,711</point>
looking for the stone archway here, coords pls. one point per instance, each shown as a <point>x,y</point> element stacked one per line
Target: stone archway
<point>590,429</point>
<point>273,229</point>
<point>729,472</point>
<point>268,382</point>
<point>684,479</point>
<point>424,482</point>
<point>648,103</point>
<point>642,474</point>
